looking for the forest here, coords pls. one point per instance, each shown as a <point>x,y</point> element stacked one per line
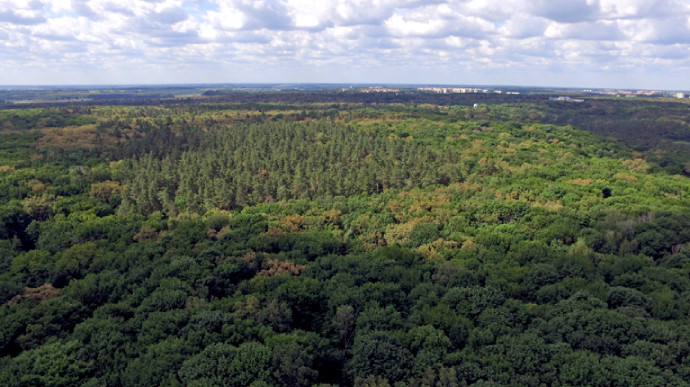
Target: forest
<point>342,239</point>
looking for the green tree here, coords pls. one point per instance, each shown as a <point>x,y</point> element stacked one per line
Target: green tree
<point>379,354</point>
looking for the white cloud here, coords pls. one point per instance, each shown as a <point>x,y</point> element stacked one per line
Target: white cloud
<point>671,30</point>
<point>565,11</point>
<point>438,21</point>
<point>637,9</point>
<point>340,40</point>
<point>523,26</point>
<point>600,30</point>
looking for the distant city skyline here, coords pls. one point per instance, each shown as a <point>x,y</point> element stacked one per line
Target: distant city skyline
<point>623,44</point>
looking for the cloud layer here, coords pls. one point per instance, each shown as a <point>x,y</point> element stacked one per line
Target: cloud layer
<point>596,43</point>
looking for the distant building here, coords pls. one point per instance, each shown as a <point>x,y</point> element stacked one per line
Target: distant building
<point>464,90</point>
<point>446,90</point>
<point>565,99</point>
<point>375,89</point>
<point>680,94</point>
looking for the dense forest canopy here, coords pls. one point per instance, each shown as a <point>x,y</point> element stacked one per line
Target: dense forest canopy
<point>310,238</point>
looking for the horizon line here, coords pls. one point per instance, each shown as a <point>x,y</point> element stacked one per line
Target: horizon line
<point>288,84</point>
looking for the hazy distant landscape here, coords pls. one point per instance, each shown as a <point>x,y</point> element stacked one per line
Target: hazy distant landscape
<point>10,95</point>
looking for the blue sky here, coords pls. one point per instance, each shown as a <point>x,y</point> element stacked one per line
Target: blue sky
<point>572,43</point>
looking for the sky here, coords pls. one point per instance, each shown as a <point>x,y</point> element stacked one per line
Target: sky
<point>637,44</point>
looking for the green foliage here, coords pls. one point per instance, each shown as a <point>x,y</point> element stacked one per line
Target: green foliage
<point>53,364</point>
<point>229,243</point>
<point>380,354</point>
<point>156,364</point>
